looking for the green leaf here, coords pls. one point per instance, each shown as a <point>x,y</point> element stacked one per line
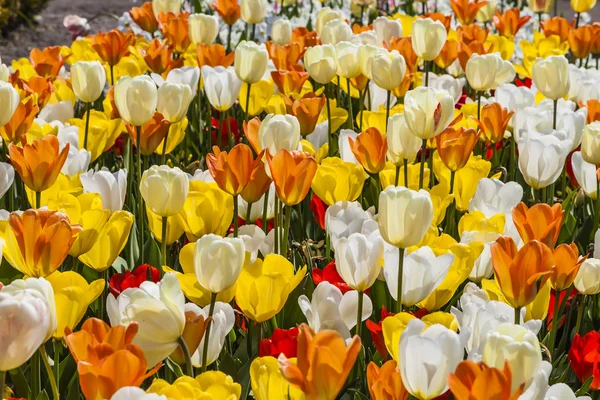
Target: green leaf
<point>585,387</point>
<point>228,366</point>
<point>43,396</point>
<point>152,252</point>
<point>174,367</point>
<point>19,382</point>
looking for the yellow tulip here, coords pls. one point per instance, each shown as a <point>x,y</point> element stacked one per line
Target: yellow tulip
<point>102,133</point>
<point>260,94</point>
<point>440,200</point>
<point>476,221</point>
<point>63,184</point>
<point>207,209</point>
<point>210,385</point>
<point>132,65</point>
<point>540,47</point>
<point>176,136</point>
<point>538,309</point>
<point>81,50</point>
<point>264,286</point>
<point>580,6</point>
<point>72,295</point>
<point>502,45</point>
<point>37,132</point>
<point>189,283</point>
<point>376,119</point>
<point>174,226</point>
<point>268,382</point>
<point>25,68</point>
<point>84,210</point>
<point>339,115</point>
<point>276,105</point>
<point>337,180</point>
<point>388,175</point>
<point>110,243</point>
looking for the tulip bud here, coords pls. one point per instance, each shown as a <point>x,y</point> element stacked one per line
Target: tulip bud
<point>365,58</point>
<point>486,12</point>
<point>402,144</point>
<point>590,143</point>
<point>281,31</point>
<point>428,38</point>
<point>581,6</point>
<point>336,31</point>
<point>166,6</point>
<point>253,11</point>
<point>250,61</point>
<point>222,86</point>
<point>386,29</point>
<point>348,65</point>
<point>88,80</point>
<point>542,158</point>
<point>136,99</point>
<point>279,132</point>
<point>164,189</point>
<point>420,106</point>
<point>10,99</point>
<point>218,262</point>
<point>358,260</point>
<point>388,70</point>
<point>173,101</point>
<point>551,76</point>
<point>203,28</point>
<point>481,71</point>
<point>321,63</point>
<point>325,15</point>
<point>587,280</point>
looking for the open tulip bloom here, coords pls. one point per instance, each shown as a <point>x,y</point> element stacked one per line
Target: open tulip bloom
<point>305,200</point>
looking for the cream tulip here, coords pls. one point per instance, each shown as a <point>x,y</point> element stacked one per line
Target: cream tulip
<point>321,63</point>
<point>279,132</point>
<point>173,101</point>
<point>388,69</point>
<point>428,111</point>
<point>542,158</point>
<point>112,187</point>
<point>358,260</point>
<point>218,261</point>
<point>250,61</point>
<point>585,173</point>
<point>344,218</point>
<point>385,29</point>
<point>590,143</point>
<point>348,65</point>
<point>481,70</point>
<point>166,6</point>
<point>135,393</point>
<point>505,73</point>
<point>551,76</point>
<point>402,144</point>
<point>326,14</point>
<point>203,29</point>
<point>253,11</point>
<point>365,58</point>
<point>221,85</point>
<point>185,75</point>
<point>10,99</point>
<point>223,320</point>
<point>136,99</point>
<point>164,189</point>
<point>428,38</point>
<point>88,79</point>
<point>404,215</point>
<point>486,12</point>
<point>336,31</point>
<point>7,177</point>
<point>587,280</point>
<point>281,31</point>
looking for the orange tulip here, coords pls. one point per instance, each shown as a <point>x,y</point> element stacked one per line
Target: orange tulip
<point>455,146</point>
<point>113,45</point>
<point>231,171</point>
<point>472,381</point>
<point>292,172</point>
<point>385,382</point>
<point>357,29</point>
<point>593,108</point>
<point>470,33</point>
<point>558,26</point>
<point>306,110</point>
<point>38,163</point>
<point>158,57</point>
<point>286,57</point>
<point>144,17</point>
<point>361,81</point>
<point>38,241</point>
<point>151,135</point>
<point>466,10</point>
<point>42,87</point>
<point>509,23</point>
<point>443,18</point>
<point>195,325</point>
<point>581,40</point>
<point>324,362</point>
<point>567,263</point>
<point>401,90</point>
<point>370,148</point>
<point>404,47</point>
<point>465,51</point>
<point>520,273</point>
<point>258,184</point>
<point>47,62</point>
<point>21,121</point>
<point>229,10</point>
<point>494,120</point>
<point>214,55</point>
<point>448,54</point>
<point>289,82</point>
<point>251,132</point>
<point>106,358</point>
<point>175,29</point>
<point>305,38</point>
<point>596,38</point>
<point>540,222</point>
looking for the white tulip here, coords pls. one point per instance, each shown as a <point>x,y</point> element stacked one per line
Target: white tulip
<point>281,31</point>
<point>218,261</point>
<point>385,29</point>
<point>585,173</point>
<point>135,393</point>
<point>189,76</point>
<point>587,280</point>
<point>112,187</point>
<point>222,86</point>
<point>551,76</point>
<point>402,144</point>
<point>590,143</point>
<point>173,101</point>
<point>561,391</point>
<point>358,260</point>
<point>346,153</point>
<point>10,99</point>
<point>61,111</point>
<point>203,29</point>
<point>326,14</point>
<point>223,320</point>
<point>88,79</point>
<point>344,218</point>
<point>7,177</point>
<point>493,196</point>
<point>542,158</point>
<point>450,84</point>
<point>347,54</point>
<point>514,98</point>
<point>481,71</point>
<point>78,161</point>
<point>136,99</point>
<point>428,38</point>
<point>279,132</point>
<point>336,31</point>
<point>420,106</point>
<point>253,11</point>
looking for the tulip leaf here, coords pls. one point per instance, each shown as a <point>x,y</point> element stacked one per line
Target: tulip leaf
<point>19,382</point>
<point>120,265</point>
<point>227,366</point>
<point>152,252</point>
<point>585,387</point>
<point>174,367</point>
<point>43,395</point>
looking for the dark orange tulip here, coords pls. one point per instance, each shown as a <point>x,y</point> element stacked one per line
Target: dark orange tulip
<point>251,132</point>
<point>214,55</point>
<point>113,45</point>
<point>385,382</point>
<point>404,47</point>
<point>509,23</point>
<point>317,353</point>
<point>158,56</point>
<point>195,325</point>
<point>494,120</point>
<point>465,51</point>
<point>144,17</point>
<point>540,222</point>
<point>175,29</point>
<point>47,62</point>
<point>286,57</point>
<point>455,146</point>
<point>567,263</point>
<point>357,29</point>
<point>289,82</point>
<point>361,81</point>
<point>558,26</point>
<point>593,108</point>
<point>520,273</point>
<point>448,54</point>
<point>292,172</point>
<point>231,170</point>
<point>305,38</point>
<point>581,40</point>
<point>472,381</point>
<point>370,148</point>
<point>229,10</point>
<point>38,163</point>
<point>466,10</point>
<point>259,182</point>
<point>42,87</point>
<point>106,358</point>
<point>21,121</point>
<point>306,110</point>
<point>471,33</point>
<point>151,135</point>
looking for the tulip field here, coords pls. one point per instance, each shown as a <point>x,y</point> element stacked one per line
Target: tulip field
<point>304,199</point>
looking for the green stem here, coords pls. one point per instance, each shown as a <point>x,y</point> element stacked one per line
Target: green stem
<point>163,242</point>
<point>350,114</point>
<point>405,173</point>
<point>248,213</point>
<point>36,381</point>
<point>555,321</point>
<point>53,386</point>
<point>554,114</point>
<point>220,137</point>
<point>87,125</point>
<point>359,313</point>
<point>327,246</point>
<point>258,335</point>
<point>422,175</point>
<point>38,199</point>
<point>57,346</point>
<point>229,38</point>
<point>211,310</point>
<point>112,76</point>
<point>513,158</point>
<point>140,199</point>
<point>248,103</point>
<point>397,177</point>
<point>189,368</point>
<point>230,134</point>
<point>387,110</point>
<point>249,339</point>
<point>163,156</point>
<point>329,142</point>
<point>235,216</point>
<point>276,226</point>
<point>253,32</point>
<point>478,106</point>
<point>518,316</point>
<point>580,314</point>
<point>2,380</point>
<point>286,229</point>
<point>400,273</point>
<point>264,213</point>
<point>426,73</point>
<point>361,104</point>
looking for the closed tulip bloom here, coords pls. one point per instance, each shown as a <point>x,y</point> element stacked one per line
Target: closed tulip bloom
<point>520,273</point>
<point>112,187</point>
<point>152,134</point>
<point>388,70</point>
<point>136,99</point>
<point>7,177</point>
<point>428,111</point>
<point>209,384</point>
<point>281,31</point>
<point>542,158</point>
<point>494,121</point>
<point>164,189</point>
<point>473,381</point>
<point>551,76</point>
<point>173,101</point>
<point>365,58</point>
<point>250,61</point>
<point>540,222</point>
<point>509,23</point>
<point>359,260</point>
<point>326,14</point>
<point>218,261</point>
<point>222,86</point>
<point>348,63</point>
<point>88,80</point>
<point>385,29</point>
<point>587,280</point>
<point>228,10</point>
<point>385,382</point>
<point>166,6</point>
<point>143,17</point>
<point>292,172</point>
<point>113,45</point>
<point>203,28</point>
<point>590,143</point>
<point>404,215</point>
<point>19,118</point>
<point>481,71</point>
<point>10,98</point>
<point>231,171</point>
<point>581,40</point>
<point>370,148</point>
<point>268,382</point>
<point>307,110</point>
<point>428,38</point>
<point>580,6</point>
<point>258,184</point>
<point>336,31</point>
<point>39,163</point>
<point>567,264</point>
<point>337,180</point>
<point>253,11</point>
<point>321,63</point>
<point>402,144</point>
<point>455,146</point>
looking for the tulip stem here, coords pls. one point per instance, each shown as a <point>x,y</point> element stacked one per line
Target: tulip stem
<point>329,144</point>
<point>405,173</point>
<point>140,222</point>
<point>518,316</point>
<point>264,211</point>
<point>112,76</point>
<point>513,160</point>
<point>350,114</point>
<point>387,110</point>
<point>36,384</point>
<point>555,322</point>
<point>580,314</point>
<point>397,178</point>
<point>478,106</point>
<point>163,242</point>
<point>359,313</point>
<point>2,380</point>
<point>248,103</point>
<point>189,368</point>
<point>53,386</point>
<point>422,175</point>
<point>361,101</point>
<point>248,212</point>
<point>38,199</point>
<point>57,345</point>
<point>577,20</point>
<point>235,216</point>
<point>87,125</point>
<point>286,228</point>
<point>400,273</point>
<point>220,138</point>
<point>426,73</point>
<point>163,156</point>
<point>229,38</point>
<point>211,310</point>
<point>276,226</point>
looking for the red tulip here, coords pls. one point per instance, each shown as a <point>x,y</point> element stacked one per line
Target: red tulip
<point>584,357</point>
<point>283,341</point>
<point>120,282</point>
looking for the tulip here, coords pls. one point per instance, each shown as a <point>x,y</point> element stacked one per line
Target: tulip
<point>402,144</point>
<point>189,76</point>
<point>203,28</point>
<point>582,358</point>
<point>336,31</point>
<point>228,10</point>
<point>250,61</point>
<point>173,101</point>
<point>166,6</point>
<point>428,38</point>
<point>365,58</point>
<point>466,11</point>
<point>18,115</point>
<point>385,382</point>
<point>347,54</point>
<point>509,23</point>
<point>388,70</point>
<point>218,262</point>
<point>211,384</point>
<point>121,281</point>
<point>282,341</point>
<point>136,99</point>
<point>110,186</point>
<point>281,31</point>
<point>307,111</point>
<point>473,381</point>
<point>112,46</point>
<point>551,76</point>
<point>587,280</point>
<point>292,174</point>
<point>370,149</point>
<point>222,87</point>
<point>231,171</point>
<point>88,80</point>
<point>278,132</point>
<point>540,222</point>
<point>590,143</point>
<point>324,15</point>
<point>264,287</point>
<point>222,322</point>
<point>567,264</point>
<point>580,6</point>
<point>494,121</point>
<point>152,134</point>
<point>542,158</point>
<point>481,71</point>
<point>132,392</point>
<point>418,349</point>
<point>345,218</point>
<point>253,11</point>
<point>268,382</point>
<point>358,260</point>
<point>455,147</point>
<point>385,29</point>
<point>144,17</point>
<point>336,180</point>
<point>47,62</point>
<point>419,107</point>
<point>321,63</point>
<point>7,177</point>
<point>10,97</point>
<point>164,189</point>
